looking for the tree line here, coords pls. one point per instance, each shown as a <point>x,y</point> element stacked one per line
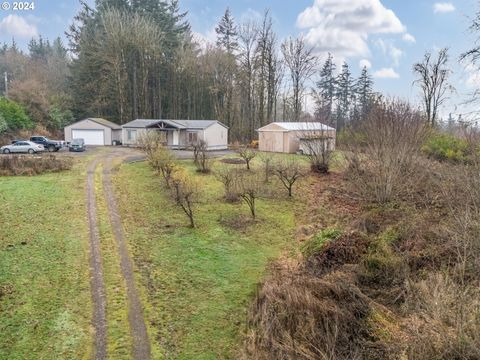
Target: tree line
<point>140,59</point>
<point>128,59</point>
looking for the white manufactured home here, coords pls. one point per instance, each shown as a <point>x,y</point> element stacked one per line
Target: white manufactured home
<point>178,134</point>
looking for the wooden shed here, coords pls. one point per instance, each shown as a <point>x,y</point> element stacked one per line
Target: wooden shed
<point>286,137</point>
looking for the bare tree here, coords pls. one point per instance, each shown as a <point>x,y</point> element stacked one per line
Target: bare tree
<point>432,77</point>
<point>249,187</point>
<point>228,177</point>
<point>267,160</point>
<point>159,157</point>
<point>247,154</point>
<point>301,63</point>
<point>201,157</point>
<point>318,144</point>
<point>288,172</point>
<point>185,193</point>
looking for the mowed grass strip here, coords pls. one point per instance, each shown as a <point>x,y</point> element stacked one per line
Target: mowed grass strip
<point>199,282</point>
<point>118,331</point>
<point>45,302</point>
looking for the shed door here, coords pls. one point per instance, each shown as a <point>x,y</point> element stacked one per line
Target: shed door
<point>91,137</point>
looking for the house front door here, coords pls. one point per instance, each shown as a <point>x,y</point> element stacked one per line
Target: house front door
<point>176,138</point>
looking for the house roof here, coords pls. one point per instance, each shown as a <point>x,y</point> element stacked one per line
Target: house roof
<point>299,126</point>
<point>101,121</point>
<point>179,124</point>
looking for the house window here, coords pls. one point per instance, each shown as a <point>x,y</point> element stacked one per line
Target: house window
<point>192,137</point>
<point>131,134</point>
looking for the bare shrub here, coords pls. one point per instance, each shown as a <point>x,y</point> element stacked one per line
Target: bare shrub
<point>228,177</point>
<point>201,157</point>
<point>318,145</point>
<point>16,165</point>
<point>185,192</point>
<point>267,161</point>
<point>247,154</point>
<point>249,187</point>
<point>159,157</point>
<point>383,151</point>
<point>163,162</point>
<point>288,172</point>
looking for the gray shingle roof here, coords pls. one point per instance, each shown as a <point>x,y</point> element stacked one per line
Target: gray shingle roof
<point>180,124</point>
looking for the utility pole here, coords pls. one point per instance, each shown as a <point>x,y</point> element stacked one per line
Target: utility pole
<point>6,84</point>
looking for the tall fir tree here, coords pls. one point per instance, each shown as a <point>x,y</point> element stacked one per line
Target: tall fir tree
<point>326,91</point>
<point>364,91</point>
<point>227,33</point>
<point>345,96</point>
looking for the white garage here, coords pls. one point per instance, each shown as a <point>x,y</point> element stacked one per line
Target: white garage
<point>91,137</point>
<point>95,131</point>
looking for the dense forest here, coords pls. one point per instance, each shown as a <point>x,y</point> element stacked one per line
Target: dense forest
<point>140,59</point>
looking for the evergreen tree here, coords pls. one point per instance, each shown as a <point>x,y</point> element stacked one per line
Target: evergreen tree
<point>326,91</point>
<point>364,90</point>
<point>227,33</point>
<point>345,96</point>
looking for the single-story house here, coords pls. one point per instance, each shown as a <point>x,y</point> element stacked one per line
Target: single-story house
<point>178,134</point>
<point>95,131</point>
<point>291,137</point>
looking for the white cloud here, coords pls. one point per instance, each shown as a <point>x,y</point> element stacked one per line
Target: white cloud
<point>342,27</point>
<point>389,49</point>
<point>409,38</point>
<point>365,63</point>
<point>473,76</point>
<point>443,7</point>
<point>386,73</point>
<point>17,27</point>
<point>205,39</point>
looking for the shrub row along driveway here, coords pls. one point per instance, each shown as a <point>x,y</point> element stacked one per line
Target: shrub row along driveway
<point>140,341</point>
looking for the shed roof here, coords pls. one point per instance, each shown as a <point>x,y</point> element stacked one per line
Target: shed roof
<point>101,121</point>
<point>299,126</point>
<point>179,124</point>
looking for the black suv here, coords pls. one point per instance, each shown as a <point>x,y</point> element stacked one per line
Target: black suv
<point>49,145</point>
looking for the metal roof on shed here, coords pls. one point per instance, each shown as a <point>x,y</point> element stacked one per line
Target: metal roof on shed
<point>300,126</point>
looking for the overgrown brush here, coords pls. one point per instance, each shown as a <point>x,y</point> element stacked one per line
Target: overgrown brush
<point>384,151</point>
<point>447,147</point>
<point>300,316</point>
<point>16,165</point>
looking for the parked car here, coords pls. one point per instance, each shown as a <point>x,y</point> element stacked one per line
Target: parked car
<point>77,145</point>
<point>50,145</point>
<point>22,147</point>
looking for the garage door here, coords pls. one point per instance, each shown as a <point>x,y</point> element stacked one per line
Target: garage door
<point>91,137</point>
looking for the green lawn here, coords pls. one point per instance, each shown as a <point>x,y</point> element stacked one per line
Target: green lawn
<point>45,304</point>
<point>198,283</point>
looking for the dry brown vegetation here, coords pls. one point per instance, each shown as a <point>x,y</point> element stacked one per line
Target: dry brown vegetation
<point>14,165</point>
<point>400,277</point>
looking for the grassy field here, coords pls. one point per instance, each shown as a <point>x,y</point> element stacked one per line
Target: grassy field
<point>45,305</point>
<point>198,283</point>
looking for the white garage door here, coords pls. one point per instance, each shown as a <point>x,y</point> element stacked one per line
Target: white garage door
<point>91,137</point>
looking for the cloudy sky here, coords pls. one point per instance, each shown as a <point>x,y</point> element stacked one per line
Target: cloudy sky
<point>387,36</point>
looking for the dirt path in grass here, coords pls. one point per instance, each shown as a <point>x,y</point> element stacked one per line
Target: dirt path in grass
<point>138,329</point>
<point>96,270</point>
